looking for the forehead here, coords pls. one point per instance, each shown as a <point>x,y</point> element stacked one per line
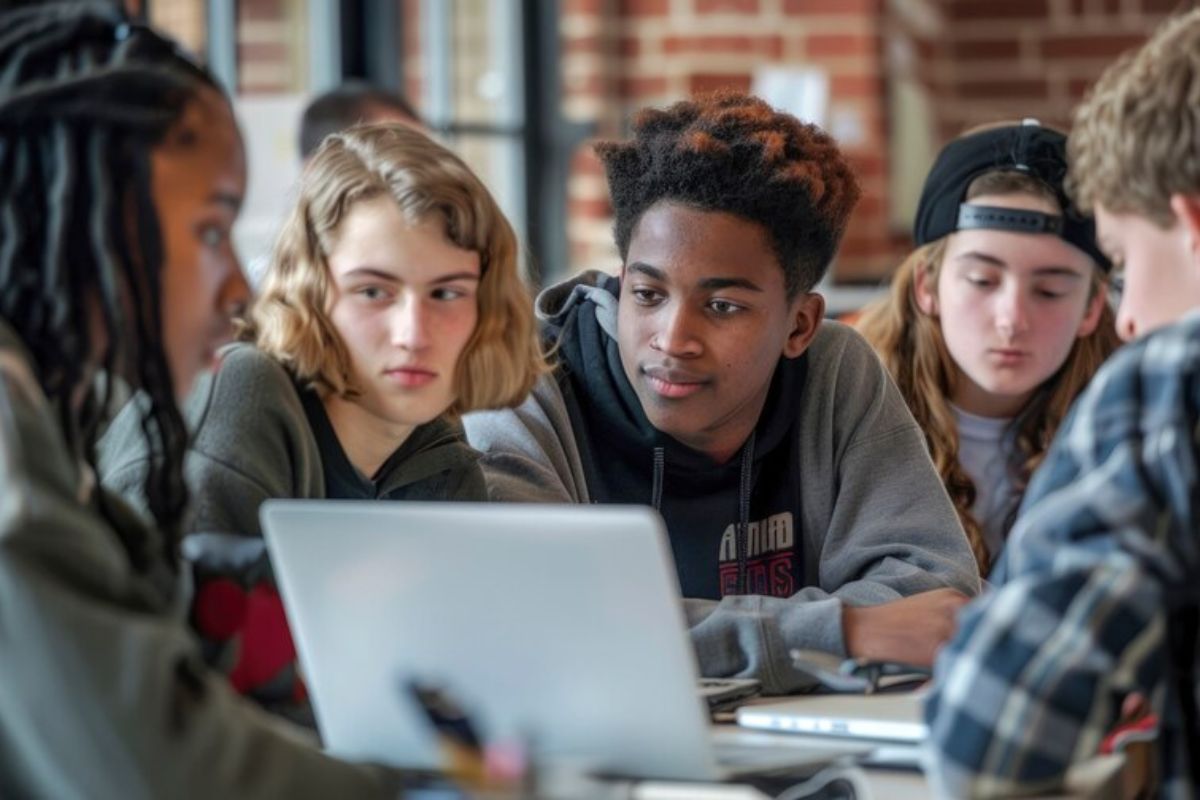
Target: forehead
<point>689,244</point>
<point>376,232</point>
<point>203,149</point>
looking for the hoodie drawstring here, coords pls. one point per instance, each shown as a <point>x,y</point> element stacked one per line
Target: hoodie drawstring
<point>660,461</point>
<point>743,530</point>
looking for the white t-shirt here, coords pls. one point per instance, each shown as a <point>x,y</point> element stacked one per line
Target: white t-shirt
<point>985,445</point>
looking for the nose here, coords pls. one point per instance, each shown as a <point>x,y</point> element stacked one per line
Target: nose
<point>675,337</point>
<point>1012,312</point>
<point>409,323</point>
<point>1127,327</point>
<point>235,293</point>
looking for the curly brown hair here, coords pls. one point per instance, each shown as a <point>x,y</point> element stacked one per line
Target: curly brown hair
<point>732,153</point>
<point>1134,141</point>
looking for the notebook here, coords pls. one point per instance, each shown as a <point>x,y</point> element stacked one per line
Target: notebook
<point>557,626</point>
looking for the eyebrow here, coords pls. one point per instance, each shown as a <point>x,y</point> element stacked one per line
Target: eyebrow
<point>1054,271</point>
<point>707,283</point>
<point>371,272</point>
<point>228,199</point>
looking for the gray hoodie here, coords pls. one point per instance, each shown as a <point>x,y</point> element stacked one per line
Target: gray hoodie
<point>832,500</point>
<point>103,693</point>
<point>258,435</point>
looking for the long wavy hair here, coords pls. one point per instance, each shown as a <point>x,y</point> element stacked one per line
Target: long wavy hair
<point>912,347</point>
<point>290,319</point>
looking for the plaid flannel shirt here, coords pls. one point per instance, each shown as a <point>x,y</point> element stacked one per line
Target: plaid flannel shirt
<point>1107,541</point>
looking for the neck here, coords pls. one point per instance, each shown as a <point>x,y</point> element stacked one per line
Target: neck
<point>367,439</point>
<point>974,400</point>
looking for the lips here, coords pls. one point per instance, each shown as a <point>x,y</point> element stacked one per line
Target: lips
<point>1007,355</point>
<point>410,376</point>
<point>673,383</point>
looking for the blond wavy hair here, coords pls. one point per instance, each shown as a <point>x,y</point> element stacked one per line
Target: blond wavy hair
<point>911,345</point>
<point>1135,135</point>
<point>290,318</point>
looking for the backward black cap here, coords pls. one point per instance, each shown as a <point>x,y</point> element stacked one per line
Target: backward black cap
<point>1027,148</point>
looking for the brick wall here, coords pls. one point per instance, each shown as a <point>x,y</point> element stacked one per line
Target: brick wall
<point>1016,58</point>
<point>975,60</point>
<point>621,55</point>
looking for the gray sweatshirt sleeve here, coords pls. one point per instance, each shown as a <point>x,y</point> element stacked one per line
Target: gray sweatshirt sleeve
<point>877,523</point>
<point>134,712</point>
<point>529,452</point>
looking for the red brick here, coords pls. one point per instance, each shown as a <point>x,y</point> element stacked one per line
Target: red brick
<point>589,7</point>
<point>1107,46</point>
<point>985,49</point>
<point>843,86</point>
<point>727,6</point>
<point>999,9</point>
<point>707,82</point>
<point>1090,8</point>
<point>766,45</point>
<point>1078,87</point>
<point>814,7</point>
<point>263,52</point>
<point>1166,7</point>
<point>986,88</point>
<point>642,87</point>
<point>867,165</point>
<point>260,10</point>
<point>643,8</point>
<point>589,208</point>
<point>838,45</point>
<point>582,44</point>
<point>585,161</point>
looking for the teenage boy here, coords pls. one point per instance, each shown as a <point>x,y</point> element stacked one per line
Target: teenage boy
<point>802,506</point>
<point>1100,598</point>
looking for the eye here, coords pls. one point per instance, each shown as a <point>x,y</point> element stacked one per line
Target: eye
<point>724,308</point>
<point>645,297</point>
<point>980,282</point>
<point>447,293</point>
<point>371,293</point>
<point>212,236</point>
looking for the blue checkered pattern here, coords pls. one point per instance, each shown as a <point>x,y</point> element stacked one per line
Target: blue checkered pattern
<point>1108,538</point>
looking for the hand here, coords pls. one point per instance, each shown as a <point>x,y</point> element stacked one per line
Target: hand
<point>909,631</point>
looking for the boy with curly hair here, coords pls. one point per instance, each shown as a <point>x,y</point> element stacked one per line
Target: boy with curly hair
<point>1100,604</point>
<point>802,507</point>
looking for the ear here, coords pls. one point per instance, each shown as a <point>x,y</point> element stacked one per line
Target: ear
<point>1187,211</point>
<point>806,310</point>
<point>923,292</point>
<point>1091,315</point>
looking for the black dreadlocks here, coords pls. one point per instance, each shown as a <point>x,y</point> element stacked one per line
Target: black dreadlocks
<point>85,94</point>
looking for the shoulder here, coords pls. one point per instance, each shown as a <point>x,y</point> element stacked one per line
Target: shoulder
<point>842,363</point>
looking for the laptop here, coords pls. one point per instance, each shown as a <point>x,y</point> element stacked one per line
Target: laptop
<point>891,722</point>
<point>888,717</point>
<point>557,626</point>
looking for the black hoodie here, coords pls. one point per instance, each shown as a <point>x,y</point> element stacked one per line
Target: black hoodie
<point>737,516</point>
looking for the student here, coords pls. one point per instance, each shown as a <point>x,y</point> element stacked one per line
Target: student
<point>122,175</point>
<point>801,503</point>
<point>997,321</point>
<point>1100,599</point>
<point>351,103</point>
<point>393,303</point>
